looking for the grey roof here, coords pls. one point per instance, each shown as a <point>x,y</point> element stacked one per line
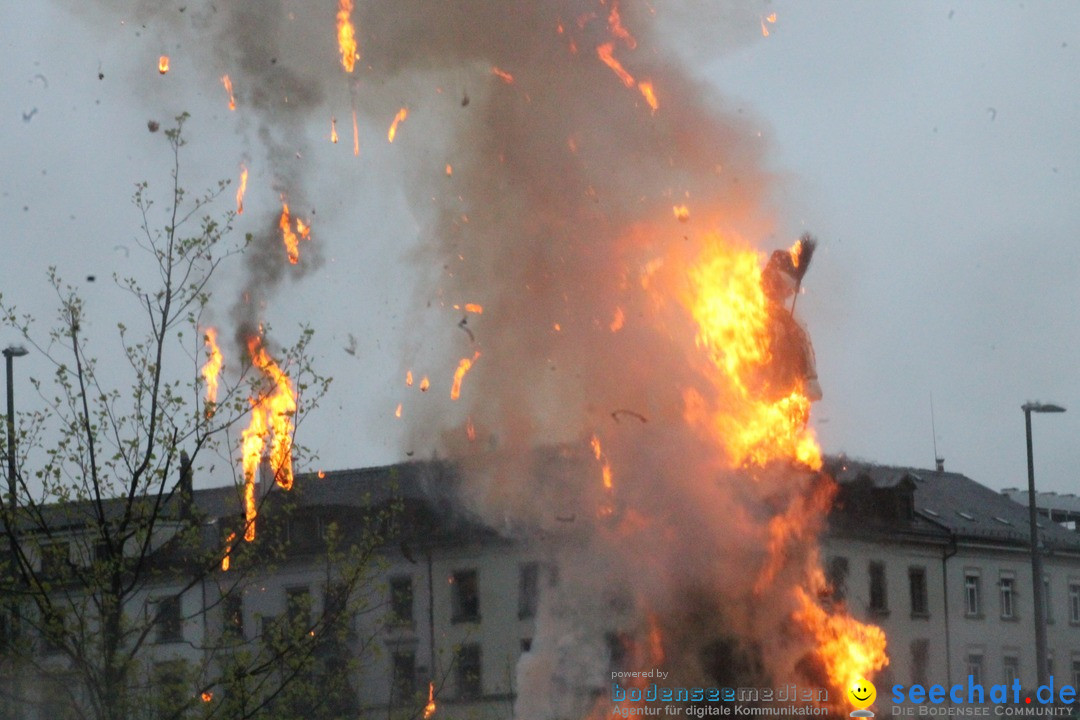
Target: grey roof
<point>965,509</point>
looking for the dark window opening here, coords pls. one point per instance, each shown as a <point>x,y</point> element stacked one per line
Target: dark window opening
<point>465,587</point>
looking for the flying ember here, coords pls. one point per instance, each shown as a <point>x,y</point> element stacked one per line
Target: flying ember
<point>163,64</point>
<point>228,88</point>
<point>398,119</point>
<point>240,190</point>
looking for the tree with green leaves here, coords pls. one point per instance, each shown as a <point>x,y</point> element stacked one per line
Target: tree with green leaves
<point>114,602</point>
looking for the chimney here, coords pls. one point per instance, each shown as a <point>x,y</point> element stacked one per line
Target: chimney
<point>939,463</point>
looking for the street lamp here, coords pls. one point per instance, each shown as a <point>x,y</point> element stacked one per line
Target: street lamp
<point>10,353</point>
<point>1036,556</point>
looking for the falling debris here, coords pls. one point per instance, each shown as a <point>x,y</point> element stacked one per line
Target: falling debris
<point>163,64</point>
<point>28,116</point>
<point>398,119</point>
<point>616,414</point>
<point>228,88</point>
<point>153,125</point>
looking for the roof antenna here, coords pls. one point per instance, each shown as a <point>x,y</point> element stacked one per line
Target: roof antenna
<point>939,462</point>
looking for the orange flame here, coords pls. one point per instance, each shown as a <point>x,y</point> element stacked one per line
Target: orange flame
<point>207,696</point>
<point>604,52</point>
<point>463,367</point>
<point>408,378</point>
<point>241,190</point>
<point>346,35</point>
<point>228,88</point>
<point>397,412</point>
<point>430,708</point>
<point>398,119</point>
<point>770,18</point>
<point>474,308</point>
<point>292,242</point>
<point>616,26</point>
<point>333,129</point>
<point>424,384</point>
<point>449,170</point>
<point>228,552</point>
<point>618,321</point>
<point>502,75</point>
<point>355,136</point>
<point>163,64</point>
<point>646,88</point>
<point>270,414</point>
<point>736,322</point>
<point>682,213</point>
<point>212,367</point>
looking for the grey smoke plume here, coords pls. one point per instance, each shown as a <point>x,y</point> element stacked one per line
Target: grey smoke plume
<point>556,216</point>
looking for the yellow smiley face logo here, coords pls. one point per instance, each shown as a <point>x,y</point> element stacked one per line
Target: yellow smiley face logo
<point>862,693</point>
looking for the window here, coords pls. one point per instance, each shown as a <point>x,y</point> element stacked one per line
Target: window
<point>465,596</point>
<point>837,573</point>
<point>917,584</point>
<point>920,659</point>
<point>55,559</point>
<point>168,620</point>
<point>528,589</point>
<point>1010,666</point>
<point>1074,604</point>
<point>468,671</point>
<point>975,667</point>
<point>232,616</point>
<point>879,599</point>
<point>298,606</point>
<point>401,599</point>
<point>1007,586</point>
<point>403,684</point>
<point>972,595</point>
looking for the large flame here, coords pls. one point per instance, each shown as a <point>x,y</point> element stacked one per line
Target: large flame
<point>430,708</point>
<point>758,414</point>
<point>271,415</point>
<point>346,35</point>
<point>290,238</point>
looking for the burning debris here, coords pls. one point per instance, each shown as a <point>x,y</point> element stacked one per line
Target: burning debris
<point>560,217</point>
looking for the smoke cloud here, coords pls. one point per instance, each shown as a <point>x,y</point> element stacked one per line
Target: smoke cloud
<point>545,185</point>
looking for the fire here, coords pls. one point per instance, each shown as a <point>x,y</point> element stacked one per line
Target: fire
<point>398,119</point>
<point>207,696</point>
<point>604,52</point>
<point>397,412</point>
<point>649,94</point>
<point>765,416</point>
<point>770,18</point>
<point>228,88</point>
<point>241,190</point>
<point>212,367</point>
<point>346,35</point>
<point>430,708</point>
<point>848,648</point>
<point>463,367</point>
<point>408,378</point>
<point>470,430</point>
<point>474,308</point>
<point>502,75</point>
<point>424,384</point>
<point>333,129</point>
<point>292,242</point>
<point>616,26</point>
<point>617,321</point>
<point>163,64</point>
<point>355,136</point>
<point>270,414</point>
<point>682,213</point>
<point>228,552</point>
<point>449,170</point>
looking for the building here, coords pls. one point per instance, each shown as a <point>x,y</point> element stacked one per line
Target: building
<point>442,607</point>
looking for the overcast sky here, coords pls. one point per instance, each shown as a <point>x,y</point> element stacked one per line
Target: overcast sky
<point>932,147</point>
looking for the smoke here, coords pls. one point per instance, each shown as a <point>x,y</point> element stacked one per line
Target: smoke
<point>556,216</point>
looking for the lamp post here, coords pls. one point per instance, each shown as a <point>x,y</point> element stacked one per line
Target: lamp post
<point>1036,555</point>
<point>10,353</point>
